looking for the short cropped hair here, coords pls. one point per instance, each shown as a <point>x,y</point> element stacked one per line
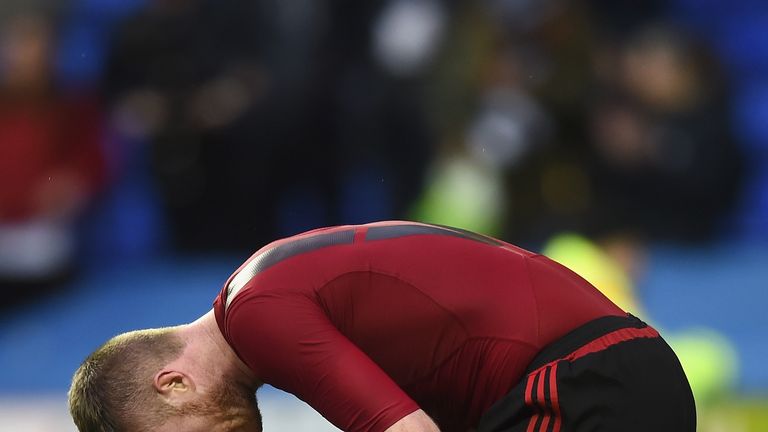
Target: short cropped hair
<point>113,390</point>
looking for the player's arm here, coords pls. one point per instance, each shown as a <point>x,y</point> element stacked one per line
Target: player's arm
<point>290,344</point>
<point>417,421</point>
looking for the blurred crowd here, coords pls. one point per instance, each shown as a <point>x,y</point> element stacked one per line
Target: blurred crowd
<point>131,127</point>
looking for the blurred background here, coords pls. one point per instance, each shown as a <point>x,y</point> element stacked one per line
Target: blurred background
<point>147,147</point>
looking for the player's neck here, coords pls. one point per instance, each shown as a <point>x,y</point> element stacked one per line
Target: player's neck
<point>205,331</point>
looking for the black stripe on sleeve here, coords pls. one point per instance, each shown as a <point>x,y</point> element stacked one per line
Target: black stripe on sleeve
<point>395,231</point>
<point>274,255</point>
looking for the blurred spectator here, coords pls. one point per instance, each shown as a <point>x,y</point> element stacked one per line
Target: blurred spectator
<point>489,122</point>
<point>665,162</point>
<point>50,161</point>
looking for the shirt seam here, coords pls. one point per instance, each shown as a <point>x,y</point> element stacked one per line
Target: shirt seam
<point>399,278</point>
<point>533,294</point>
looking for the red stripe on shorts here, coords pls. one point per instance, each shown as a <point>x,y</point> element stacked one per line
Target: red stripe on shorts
<point>612,338</point>
<point>543,402</point>
<point>529,398</point>
<point>554,398</point>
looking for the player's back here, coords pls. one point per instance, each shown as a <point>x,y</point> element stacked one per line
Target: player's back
<point>452,317</point>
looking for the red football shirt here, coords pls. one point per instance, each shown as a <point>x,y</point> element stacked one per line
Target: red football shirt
<point>369,323</point>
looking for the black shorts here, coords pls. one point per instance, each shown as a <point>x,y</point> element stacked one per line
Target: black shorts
<point>611,374</point>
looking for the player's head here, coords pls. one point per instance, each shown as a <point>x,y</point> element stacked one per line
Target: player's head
<point>127,385</point>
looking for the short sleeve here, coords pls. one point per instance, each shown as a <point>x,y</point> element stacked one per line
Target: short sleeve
<point>289,343</point>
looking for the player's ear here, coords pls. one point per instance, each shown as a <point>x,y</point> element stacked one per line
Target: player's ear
<point>171,383</point>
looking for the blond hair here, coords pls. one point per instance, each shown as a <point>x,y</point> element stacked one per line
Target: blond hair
<point>113,389</point>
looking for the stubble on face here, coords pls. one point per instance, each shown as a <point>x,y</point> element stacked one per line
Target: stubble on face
<point>228,408</point>
<point>237,408</point>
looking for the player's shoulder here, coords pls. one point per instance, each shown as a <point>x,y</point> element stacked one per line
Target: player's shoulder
<point>281,251</point>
